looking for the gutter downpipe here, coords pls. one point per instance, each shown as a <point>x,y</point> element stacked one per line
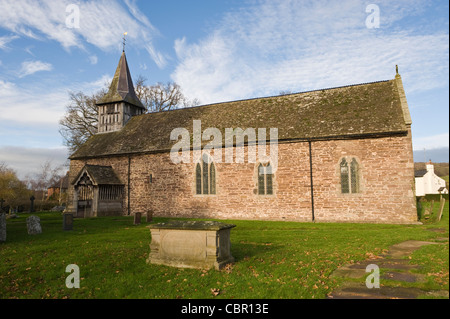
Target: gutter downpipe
<point>128,187</point>
<point>312,184</point>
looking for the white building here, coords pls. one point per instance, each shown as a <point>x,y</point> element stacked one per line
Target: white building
<point>427,182</point>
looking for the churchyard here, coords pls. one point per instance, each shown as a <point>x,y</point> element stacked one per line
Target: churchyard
<point>273,259</point>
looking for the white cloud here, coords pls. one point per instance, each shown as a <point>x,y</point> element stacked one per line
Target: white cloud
<point>31,67</point>
<point>38,106</point>
<point>93,59</point>
<point>27,161</point>
<point>431,142</point>
<point>131,4</point>
<point>34,105</point>
<point>301,45</point>
<point>101,23</point>
<point>5,40</point>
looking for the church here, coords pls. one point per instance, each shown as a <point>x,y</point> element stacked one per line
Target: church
<point>343,154</point>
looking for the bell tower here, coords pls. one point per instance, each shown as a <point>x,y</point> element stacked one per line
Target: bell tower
<point>120,103</point>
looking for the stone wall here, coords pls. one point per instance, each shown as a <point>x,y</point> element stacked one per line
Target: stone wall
<point>386,180</point>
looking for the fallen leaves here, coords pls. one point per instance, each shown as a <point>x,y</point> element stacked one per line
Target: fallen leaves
<point>215,292</point>
<point>370,255</point>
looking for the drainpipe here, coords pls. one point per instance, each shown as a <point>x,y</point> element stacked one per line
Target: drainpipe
<point>312,185</point>
<point>128,188</point>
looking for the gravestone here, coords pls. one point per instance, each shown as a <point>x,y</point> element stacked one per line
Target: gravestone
<point>191,244</point>
<point>2,201</point>
<point>34,225</point>
<point>32,198</point>
<point>137,218</point>
<point>67,221</point>
<point>149,216</point>
<point>2,227</point>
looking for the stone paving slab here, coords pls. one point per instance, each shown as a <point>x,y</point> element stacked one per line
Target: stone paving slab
<point>399,264</point>
<point>399,271</point>
<point>406,248</point>
<point>360,291</point>
<point>403,276</point>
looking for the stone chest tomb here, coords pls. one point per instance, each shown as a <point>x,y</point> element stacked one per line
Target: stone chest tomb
<point>191,244</point>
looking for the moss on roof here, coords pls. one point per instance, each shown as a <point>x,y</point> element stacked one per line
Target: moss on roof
<point>101,175</point>
<point>372,108</point>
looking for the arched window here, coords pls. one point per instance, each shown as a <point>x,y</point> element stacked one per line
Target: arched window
<point>354,176</point>
<point>205,177</point>
<point>269,188</point>
<point>212,179</point>
<point>261,186</point>
<point>344,177</point>
<point>198,179</point>
<point>265,180</point>
<point>349,176</point>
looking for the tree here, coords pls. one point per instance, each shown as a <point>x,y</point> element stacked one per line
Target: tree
<point>48,176</point>
<point>80,120</point>
<point>12,190</point>
<point>162,97</point>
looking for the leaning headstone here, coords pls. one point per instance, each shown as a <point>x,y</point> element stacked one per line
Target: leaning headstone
<point>2,227</point>
<point>137,218</point>
<point>67,221</point>
<point>34,225</point>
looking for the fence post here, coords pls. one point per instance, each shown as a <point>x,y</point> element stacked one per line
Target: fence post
<point>441,207</point>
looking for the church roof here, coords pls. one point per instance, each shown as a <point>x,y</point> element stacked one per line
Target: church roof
<point>100,175</point>
<point>121,88</point>
<point>356,111</point>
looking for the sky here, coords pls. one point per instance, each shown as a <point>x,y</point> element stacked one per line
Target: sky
<point>216,51</point>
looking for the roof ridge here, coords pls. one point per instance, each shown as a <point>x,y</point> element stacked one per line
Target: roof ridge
<point>266,97</point>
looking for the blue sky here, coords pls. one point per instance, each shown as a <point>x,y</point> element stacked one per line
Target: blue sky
<point>217,51</point>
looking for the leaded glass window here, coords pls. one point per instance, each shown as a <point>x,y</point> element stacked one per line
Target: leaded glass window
<point>198,179</point>
<point>265,180</point>
<point>212,179</point>
<point>354,178</point>
<point>261,186</point>
<point>205,177</point>
<point>344,177</point>
<point>269,188</point>
<point>349,176</point>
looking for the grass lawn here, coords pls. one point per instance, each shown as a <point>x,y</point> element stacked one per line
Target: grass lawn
<point>273,259</point>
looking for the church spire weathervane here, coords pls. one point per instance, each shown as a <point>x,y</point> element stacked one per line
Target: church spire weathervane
<point>124,41</point>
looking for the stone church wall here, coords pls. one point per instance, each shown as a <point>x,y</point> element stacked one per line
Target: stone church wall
<point>386,184</point>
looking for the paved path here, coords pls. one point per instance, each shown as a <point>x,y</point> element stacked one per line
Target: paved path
<point>399,270</point>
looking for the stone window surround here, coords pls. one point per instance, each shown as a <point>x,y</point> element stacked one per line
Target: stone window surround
<point>256,174</point>
<point>201,163</point>
<point>360,175</point>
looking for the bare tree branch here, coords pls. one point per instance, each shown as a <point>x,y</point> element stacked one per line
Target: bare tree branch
<point>80,120</point>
